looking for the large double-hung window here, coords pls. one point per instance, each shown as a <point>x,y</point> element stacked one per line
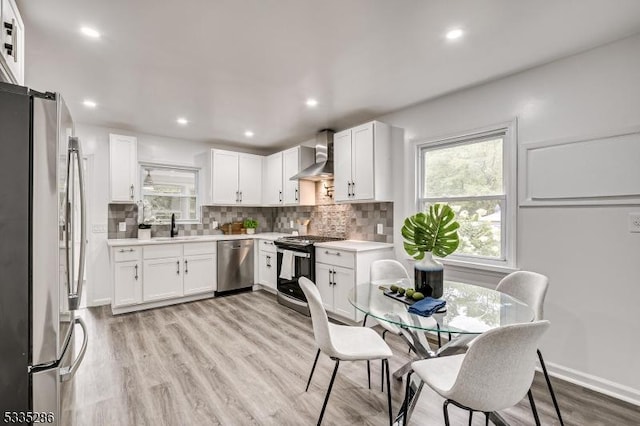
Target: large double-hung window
<point>475,175</point>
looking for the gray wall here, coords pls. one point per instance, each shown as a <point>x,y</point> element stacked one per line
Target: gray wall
<point>587,251</point>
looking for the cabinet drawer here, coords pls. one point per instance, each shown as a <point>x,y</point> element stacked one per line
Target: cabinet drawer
<point>199,248</point>
<point>162,251</point>
<point>124,254</point>
<point>335,257</point>
<point>266,246</point>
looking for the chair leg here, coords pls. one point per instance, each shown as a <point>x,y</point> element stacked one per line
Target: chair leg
<point>326,398</point>
<point>407,391</point>
<point>385,363</point>
<point>312,370</point>
<point>384,334</point>
<point>446,412</point>
<point>470,417</point>
<point>364,321</point>
<point>369,374</point>
<point>533,408</point>
<point>553,395</point>
<point>486,418</point>
<point>382,377</point>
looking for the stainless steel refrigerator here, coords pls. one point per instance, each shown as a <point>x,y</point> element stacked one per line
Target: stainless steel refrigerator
<point>42,253</point>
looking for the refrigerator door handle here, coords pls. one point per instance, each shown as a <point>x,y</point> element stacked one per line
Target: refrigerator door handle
<point>75,296</point>
<point>67,373</point>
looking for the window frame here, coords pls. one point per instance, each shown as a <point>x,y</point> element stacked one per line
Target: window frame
<point>509,181</point>
<point>196,170</point>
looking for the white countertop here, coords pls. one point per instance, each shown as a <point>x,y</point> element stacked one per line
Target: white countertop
<point>193,239</point>
<point>355,245</point>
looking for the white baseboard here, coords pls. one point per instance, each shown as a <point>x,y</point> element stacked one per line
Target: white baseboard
<point>265,288</point>
<point>595,383</point>
<point>100,302</point>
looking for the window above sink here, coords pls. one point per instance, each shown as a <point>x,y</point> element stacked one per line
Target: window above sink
<point>167,190</point>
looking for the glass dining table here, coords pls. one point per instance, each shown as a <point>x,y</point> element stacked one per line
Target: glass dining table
<point>470,310</point>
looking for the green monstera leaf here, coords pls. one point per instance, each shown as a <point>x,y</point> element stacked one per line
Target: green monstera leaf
<point>435,231</point>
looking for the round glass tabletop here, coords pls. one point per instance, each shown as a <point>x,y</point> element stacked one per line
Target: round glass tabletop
<point>470,309</point>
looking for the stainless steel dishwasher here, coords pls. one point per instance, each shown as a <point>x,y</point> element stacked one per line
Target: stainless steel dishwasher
<point>235,265</point>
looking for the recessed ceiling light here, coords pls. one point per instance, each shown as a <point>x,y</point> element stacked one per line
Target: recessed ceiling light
<point>248,134</point>
<point>312,102</point>
<point>90,32</point>
<point>89,103</point>
<point>455,34</point>
<point>182,121</point>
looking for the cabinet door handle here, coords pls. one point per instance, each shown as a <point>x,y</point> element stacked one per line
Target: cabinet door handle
<point>237,196</point>
<point>240,196</point>
<point>280,196</point>
<point>186,266</point>
<point>12,48</point>
<point>178,267</point>
<point>353,189</point>
<point>268,261</point>
<point>335,253</point>
<point>136,276</point>
<point>296,196</point>
<point>334,276</point>
<point>123,250</point>
<point>131,192</point>
<point>330,281</point>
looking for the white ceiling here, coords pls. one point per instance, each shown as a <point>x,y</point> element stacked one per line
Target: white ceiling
<point>233,65</point>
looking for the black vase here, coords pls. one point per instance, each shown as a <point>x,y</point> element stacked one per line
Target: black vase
<point>429,275</point>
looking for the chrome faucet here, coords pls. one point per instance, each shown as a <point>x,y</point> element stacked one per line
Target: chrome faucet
<point>174,231</point>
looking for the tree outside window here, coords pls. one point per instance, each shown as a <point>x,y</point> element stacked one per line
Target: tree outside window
<point>468,174</point>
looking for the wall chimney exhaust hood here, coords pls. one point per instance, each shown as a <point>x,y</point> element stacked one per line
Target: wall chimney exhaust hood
<point>323,167</point>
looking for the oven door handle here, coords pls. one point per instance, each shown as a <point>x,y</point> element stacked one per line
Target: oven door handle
<point>296,253</point>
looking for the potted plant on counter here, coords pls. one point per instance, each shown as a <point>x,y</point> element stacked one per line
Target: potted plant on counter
<point>426,234</point>
<point>250,225</point>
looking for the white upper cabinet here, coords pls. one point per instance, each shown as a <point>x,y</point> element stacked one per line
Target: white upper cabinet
<point>279,189</point>
<point>224,179</point>
<point>291,165</point>
<point>123,167</point>
<point>231,177</point>
<point>362,163</point>
<point>11,43</point>
<point>250,178</point>
<point>342,165</point>
<point>272,191</point>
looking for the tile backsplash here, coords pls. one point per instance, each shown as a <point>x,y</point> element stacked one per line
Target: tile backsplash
<point>354,221</point>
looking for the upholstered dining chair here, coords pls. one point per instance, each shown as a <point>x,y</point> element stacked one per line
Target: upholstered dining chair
<point>343,343</point>
<point>495,373</point>
<point>531,288</point>
<point>384,269</point>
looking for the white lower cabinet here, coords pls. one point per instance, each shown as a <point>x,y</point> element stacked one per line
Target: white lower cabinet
<point>162,279</point>
<point>343,283</point>
<point>162,274</point>
<point>267,264</point>
<point>199,273</point>
<point>335,284</point>
<point>127,278</point>
<point>339,272</point>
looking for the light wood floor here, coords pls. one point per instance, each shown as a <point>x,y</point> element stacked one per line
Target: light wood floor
<point>244,360</point>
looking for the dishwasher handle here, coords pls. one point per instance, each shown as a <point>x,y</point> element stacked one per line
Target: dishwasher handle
<point>235,245</point>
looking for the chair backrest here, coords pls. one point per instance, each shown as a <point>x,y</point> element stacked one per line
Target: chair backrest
<point>498,369</point>
<point>318,316</point>
<point>387,269</point>
<point>528,287</point>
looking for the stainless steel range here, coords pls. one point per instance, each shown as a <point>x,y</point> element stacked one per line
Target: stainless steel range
<point>302,254</point>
